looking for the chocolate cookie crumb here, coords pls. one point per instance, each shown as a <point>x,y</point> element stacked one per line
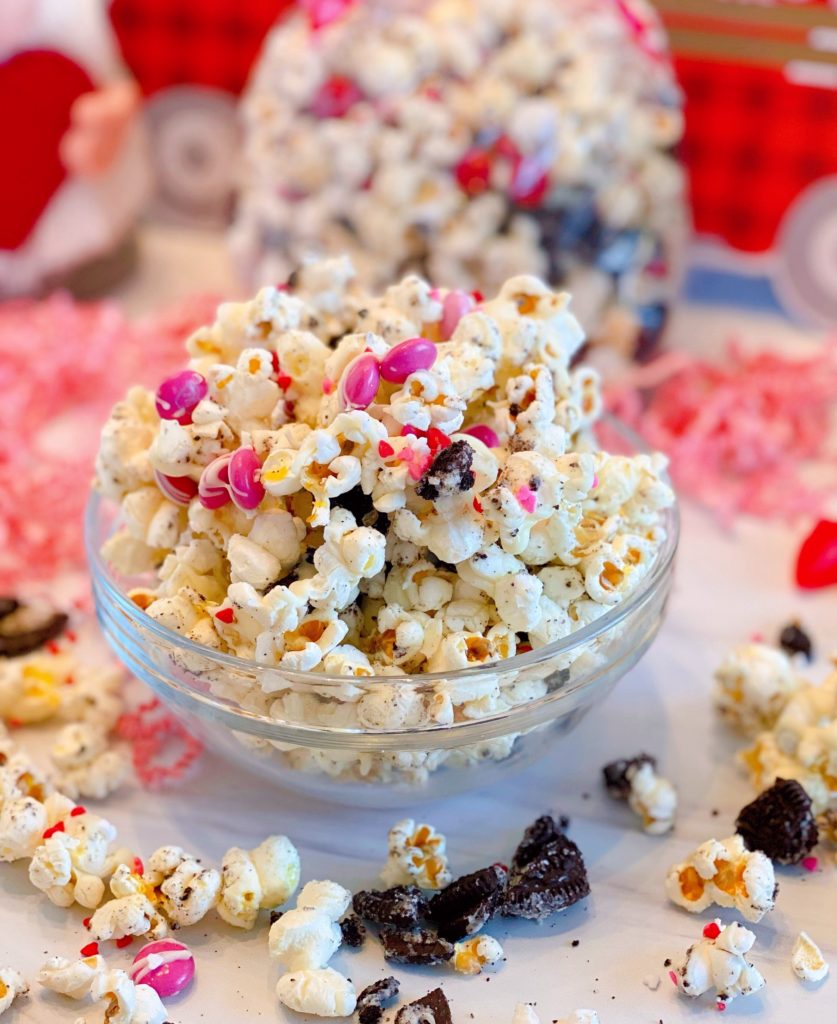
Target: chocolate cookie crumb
<point>780,823</point>
<point>547,873</point>
<point>403,906</point>
<point>616,773</point>
<point>468,902</point>
<point>25,628</point>
<point>371,1001</point>
<point>449,472</point>
<point>275,915</point>
<point>433,1008</point>
<point>415,947</point>
<point>794,640</point>
<point>354,931</point>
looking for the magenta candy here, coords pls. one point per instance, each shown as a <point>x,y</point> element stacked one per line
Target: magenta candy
<point>246,489</point>
<point>406,357</point>
<point>214,486</point>
<point>167,966</point>
<point>483,433</point>
<point>179,489</point>
<point>455,305</point>
<point>359,383</point>
<point>177,396</point>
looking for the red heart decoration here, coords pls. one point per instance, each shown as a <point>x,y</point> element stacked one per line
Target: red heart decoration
<point>37,91</point>
<point>816,563</point>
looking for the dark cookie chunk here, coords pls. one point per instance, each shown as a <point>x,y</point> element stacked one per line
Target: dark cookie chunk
<point>616,774</point>
<point>8,605</point>
<point>466,904</point>
<point>794,640</point>
<point>354,931</point>
<point>361,507</point>
<point>402,906</point>
<point>780,823</point>
<point>449,473</point>
<point>547,873</point>
<point>415,947</point>
<point>25,628</point>
<point>433,1008</point>
<point>371,1001</point>
<point>275,915</point>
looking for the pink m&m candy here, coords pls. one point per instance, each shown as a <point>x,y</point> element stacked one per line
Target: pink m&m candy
<point>483,433</point>
<point>359,383</point>
<point>406,357</point>
<point>179,489</point>
<point>454,306</point>
<point>177,396</point>
<point>245,486</point>
<point>166,966</point>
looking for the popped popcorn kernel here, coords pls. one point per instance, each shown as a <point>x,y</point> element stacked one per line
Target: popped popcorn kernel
<point>416,857</point>
<point>718,962</point>
<point>727,874</point>
<point>471,955</point>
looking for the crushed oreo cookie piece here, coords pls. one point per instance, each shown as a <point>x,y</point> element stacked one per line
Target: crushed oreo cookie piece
<point>433,1008</point>
<point>353,930</point>
<point>449,473</point>
<point>420,946</point>
<point>8,605</point>
<point>275,915</point>
<point>780,823</point>
<point>372,1000</point>
<point>25,628</point>
<point>403,906</point>
<point>615,774</point>
<point>794,640</point>
<point>547,873</point>
<point>464,906</point>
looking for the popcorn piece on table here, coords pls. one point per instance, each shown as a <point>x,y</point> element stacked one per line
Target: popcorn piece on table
<point>71,978</point>
<point>727,874</point>
<point>807,960</point>
<point>12,985</point>
<point>753,684</point>
<point>306,938</point>
<point>524,1013</point>
<point>416,856</point>
<point>649,795</point>
<point>88,767</point>
<point>258,879</point>
<point>471,955</point>
<point>717,961</point>
<point>322,992</point>
<point>127,1003</point>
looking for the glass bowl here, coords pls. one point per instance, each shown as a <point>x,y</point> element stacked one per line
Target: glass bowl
<point>332,742</point>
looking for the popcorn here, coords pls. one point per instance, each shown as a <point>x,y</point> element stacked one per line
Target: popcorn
<point>127,1003</point>
<point>131,914</point>
<point>305,938</point>
<point>71,978</point>
<point>322,993</point>
<point>717,961</point>
<point>754,683</point>
<point>53,871</point>
<point>259,879</point>
<point>727,874</point>
<point>12,985</point>
<point>327,898</point>
<point>525,1014</point>
<point>807,960</point>
<point>88,768</point>
<point>649,795</point>
<point>471,955</point>
<point>380,485</point>
<point>416,857</point>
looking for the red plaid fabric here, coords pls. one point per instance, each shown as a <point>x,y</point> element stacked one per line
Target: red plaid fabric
<point>204,42</point>
<point>753,143</point>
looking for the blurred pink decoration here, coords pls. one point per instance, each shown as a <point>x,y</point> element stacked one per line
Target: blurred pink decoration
<point>749,436</point>
<point>62,366</point>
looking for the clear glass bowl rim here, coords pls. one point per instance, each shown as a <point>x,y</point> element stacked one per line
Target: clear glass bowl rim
<point>565,646</point>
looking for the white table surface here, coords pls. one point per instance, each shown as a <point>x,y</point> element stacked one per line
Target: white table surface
<point>727,587</point>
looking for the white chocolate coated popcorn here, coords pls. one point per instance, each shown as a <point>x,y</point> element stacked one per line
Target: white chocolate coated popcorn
<point>727,874</point>
<point>653,799</point>
<point>12,985</point>
<point>322,993</point>
<point>71,978</point>
<point>719,963</point>
<point>416,856</point>
<point>258,879</point>
<point>807,960</point>
<point>753,684</point>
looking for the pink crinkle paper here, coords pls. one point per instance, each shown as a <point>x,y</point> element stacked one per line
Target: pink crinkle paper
<point>62,366</point>
<point>750,435</point>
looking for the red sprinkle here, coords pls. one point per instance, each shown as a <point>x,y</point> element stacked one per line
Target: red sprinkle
<point>91,949</point>
<point>410,431</point>
<point>523,648</point>
<point>673,977</point>
<point>225,615</point>
<point>58,827</point>
<point>720,1007</point>
<point>126,940</point>
<point>810,863</point>
<point>71,635</point>
<point>477,505</point>
<point>385,449</point>
<point>76,811</point>
<point>437,439</point>
<point>477,296</point>
<point>711,931</point>
<point>52,647</point>
<point>137,866</point>
<point>15,723</point>
<point>284,381</point>
<point>86,922</point>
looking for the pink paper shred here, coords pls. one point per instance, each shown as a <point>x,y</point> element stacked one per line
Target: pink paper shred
<point>162,749</point>
<point>62,366</point>
<point>752,435</point>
